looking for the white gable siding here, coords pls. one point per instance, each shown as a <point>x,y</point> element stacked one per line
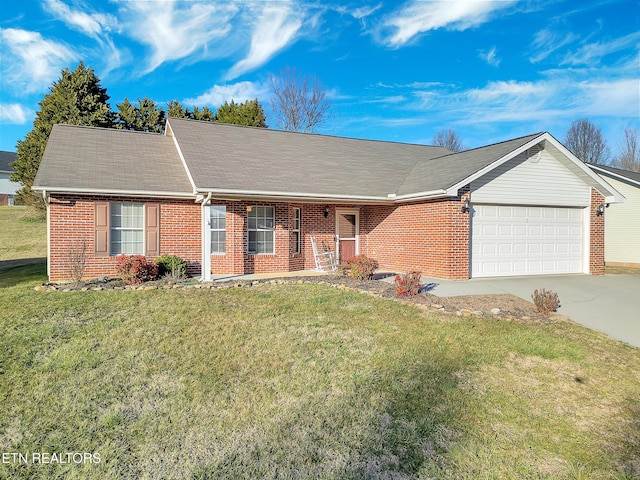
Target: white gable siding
<point>622,225</point>
<point>7,186</point>
<point>539,180</point>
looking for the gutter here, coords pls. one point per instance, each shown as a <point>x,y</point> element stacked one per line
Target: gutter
<point>110,192</point>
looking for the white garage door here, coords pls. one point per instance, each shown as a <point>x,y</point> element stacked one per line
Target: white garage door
<point>508,240</point>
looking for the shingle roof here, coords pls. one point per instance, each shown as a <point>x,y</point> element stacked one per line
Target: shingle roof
<point>5,159</point>
<point>87,159</point>
<point>243,158</point>
<point>635,176</point>
<point>234,160</point>
<point>445,171</point>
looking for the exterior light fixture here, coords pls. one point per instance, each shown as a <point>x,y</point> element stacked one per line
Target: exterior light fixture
<point>600,210</point>
<point>326,211</point>
<point>466,207</point>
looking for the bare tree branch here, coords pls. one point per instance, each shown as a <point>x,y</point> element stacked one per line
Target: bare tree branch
<point>448,139</point>
<point>299,103</point>
<point>586,142</point>
<point>629,158</point>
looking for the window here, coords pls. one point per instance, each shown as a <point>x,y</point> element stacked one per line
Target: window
<point>218,225</point>
<point>127,221</point>
<point>261,226</point>
<point>296,230</point>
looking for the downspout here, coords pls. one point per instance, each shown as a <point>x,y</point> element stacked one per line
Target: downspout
<point>46,202</point>
<point>206,262</point>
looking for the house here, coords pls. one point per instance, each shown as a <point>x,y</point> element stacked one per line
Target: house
<point>622,221</point>
<point>235,200</point>
<point>8,188</point>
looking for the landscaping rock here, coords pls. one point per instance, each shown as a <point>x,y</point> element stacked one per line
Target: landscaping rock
<point>495,311</point>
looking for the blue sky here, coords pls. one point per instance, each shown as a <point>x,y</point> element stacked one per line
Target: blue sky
<point>398,71</point>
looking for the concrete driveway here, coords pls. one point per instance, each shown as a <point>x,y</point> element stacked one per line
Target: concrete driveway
<point>610,304</point>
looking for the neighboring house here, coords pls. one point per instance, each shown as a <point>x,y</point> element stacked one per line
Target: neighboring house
<point>8,188</point>
<point>235,200</point>
<point>622,222</point>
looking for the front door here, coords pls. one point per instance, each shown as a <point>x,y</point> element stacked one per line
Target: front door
<point>347,225</point>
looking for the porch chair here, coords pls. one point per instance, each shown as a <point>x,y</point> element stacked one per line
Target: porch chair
<point>325,261</point>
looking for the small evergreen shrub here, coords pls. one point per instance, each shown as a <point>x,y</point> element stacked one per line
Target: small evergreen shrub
<point>171,265</point>
<point>134,269</point>
<point>545,301</point>
<point>362,267</point>
<point>408,284</point>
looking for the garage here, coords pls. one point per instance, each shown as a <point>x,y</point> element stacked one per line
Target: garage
<point>512,240</point>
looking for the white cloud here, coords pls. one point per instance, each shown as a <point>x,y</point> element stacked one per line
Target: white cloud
<point>421,16</point>
<point>14,113</point>
<point>32,62</point>
<point>239,92</point>
<point>91,24</point>
<point>275,28</point>
<point>176,30</point>
<point>490,57</point>
<point>592,53</point>
<point>546,42</point>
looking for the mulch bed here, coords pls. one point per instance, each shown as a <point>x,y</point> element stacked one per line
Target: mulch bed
<point>509,306</point>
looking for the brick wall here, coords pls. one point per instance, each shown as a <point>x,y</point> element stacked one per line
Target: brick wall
<point>71,226</point>
<point>596,252</point>
<point>431,237</point>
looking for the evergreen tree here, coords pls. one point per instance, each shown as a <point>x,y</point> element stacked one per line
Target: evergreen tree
<point>249,113</point>
<point>176,110</point>
<point>75,99</point>
<point>144,117</point>
<point>205,114</point>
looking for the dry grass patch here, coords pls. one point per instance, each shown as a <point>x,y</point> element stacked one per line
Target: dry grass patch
<point>21,235</point>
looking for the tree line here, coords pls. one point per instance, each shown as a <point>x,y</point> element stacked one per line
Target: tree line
<point>583,139</point>
<point>77,98</point>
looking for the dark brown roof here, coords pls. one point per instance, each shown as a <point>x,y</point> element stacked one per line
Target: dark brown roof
<point>5,159</point>
<point>88,159</point>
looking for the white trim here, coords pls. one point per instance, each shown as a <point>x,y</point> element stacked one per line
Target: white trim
<point>114,193</point>
<point>614,197</point>
<point>46,201</point>
<point>298,246</point>
<point>349,211</point>
<point>184,162</point>
<point>205,273</point>
<point>617,176</point>
<point>586,239</point>
<point>274,230</point>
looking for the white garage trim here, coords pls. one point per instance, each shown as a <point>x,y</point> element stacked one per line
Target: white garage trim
<point>510,240</point>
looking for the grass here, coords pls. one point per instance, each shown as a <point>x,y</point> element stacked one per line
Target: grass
<point>305,381</point>
<point>21,235</point>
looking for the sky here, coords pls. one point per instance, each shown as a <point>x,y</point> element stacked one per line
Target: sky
<point>392,70</point>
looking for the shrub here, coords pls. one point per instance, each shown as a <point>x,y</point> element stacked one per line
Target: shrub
<point>362,267</point>
<point>134,269</point>
<point>171,265</point>
<point>545,301</point>
<point>408,284</point>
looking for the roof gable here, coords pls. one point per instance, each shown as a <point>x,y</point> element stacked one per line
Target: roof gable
<point>107,160</point>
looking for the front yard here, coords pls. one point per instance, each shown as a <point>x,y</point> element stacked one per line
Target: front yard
<point>304,381</point>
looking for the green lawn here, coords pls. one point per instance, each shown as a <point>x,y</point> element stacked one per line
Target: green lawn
<point>304,381</point>
<point>21,236</point>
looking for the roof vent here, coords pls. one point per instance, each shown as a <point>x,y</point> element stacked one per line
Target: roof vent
<point>534,154</point>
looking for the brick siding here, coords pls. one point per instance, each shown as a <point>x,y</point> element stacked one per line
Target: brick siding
<point>432,237</point>
<point>596,248</point>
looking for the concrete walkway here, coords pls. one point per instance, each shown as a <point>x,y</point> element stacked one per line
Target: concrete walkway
<point>609,304</point>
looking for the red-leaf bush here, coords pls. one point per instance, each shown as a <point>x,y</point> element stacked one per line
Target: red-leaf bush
<point>408,284</point>
<point>545,301</point>
<point>362,267</point>
<point>134,269</point>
